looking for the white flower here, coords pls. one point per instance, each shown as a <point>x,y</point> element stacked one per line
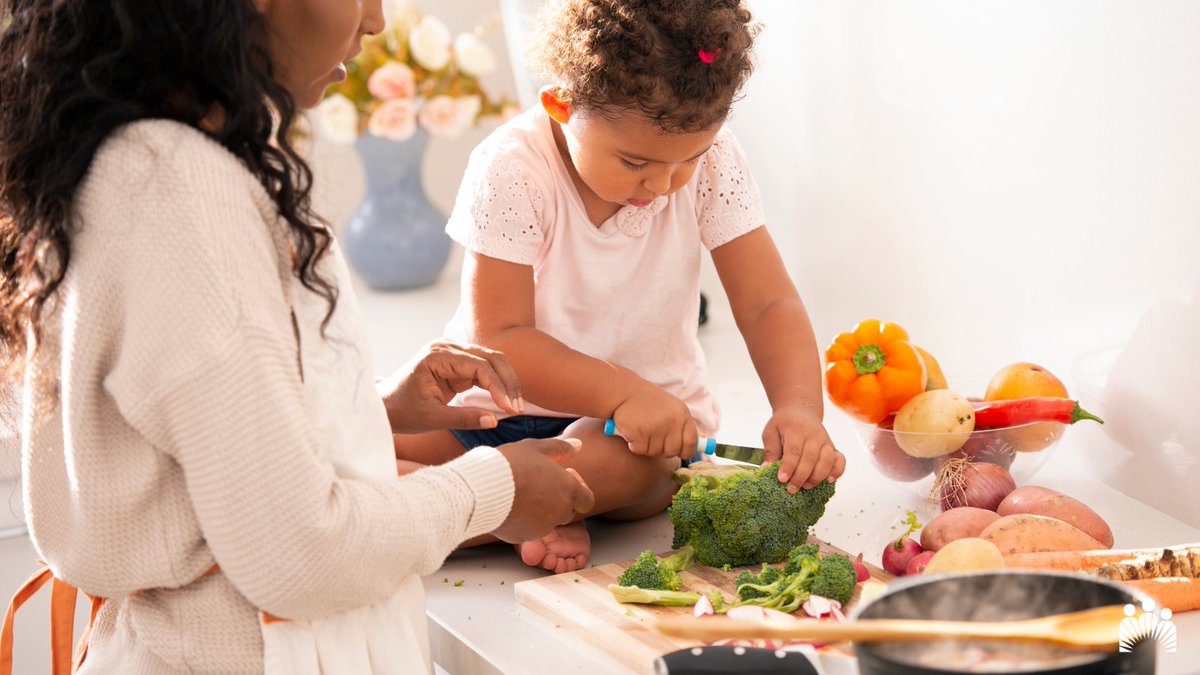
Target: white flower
<point>473,56</point>
<point>392,80</point>
<point>429,42</point>
<point>337,119</point>
<point>447,117</point>
<point>404,16</point>
<point>395,120</point>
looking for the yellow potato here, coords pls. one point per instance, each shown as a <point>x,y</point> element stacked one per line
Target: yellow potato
<point>934,423</point>
<point>966,555</point>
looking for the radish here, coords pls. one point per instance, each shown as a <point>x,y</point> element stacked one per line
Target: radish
<point>918,563</point>
<point>860,569</point>
<point>899,553</point>
<point>901,550</point>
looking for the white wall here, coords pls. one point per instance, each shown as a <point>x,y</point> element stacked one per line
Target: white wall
<point>1010,181</point>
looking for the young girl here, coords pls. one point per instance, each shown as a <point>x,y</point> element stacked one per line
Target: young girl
<point>584,220</point>
<point>204,448</point>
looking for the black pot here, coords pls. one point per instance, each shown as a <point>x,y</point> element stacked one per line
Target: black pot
<point>996,596</point>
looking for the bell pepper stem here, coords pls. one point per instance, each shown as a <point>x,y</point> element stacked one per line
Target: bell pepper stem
<point>869,359</point>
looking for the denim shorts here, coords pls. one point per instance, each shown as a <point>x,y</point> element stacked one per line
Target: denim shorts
<point>512,429</point>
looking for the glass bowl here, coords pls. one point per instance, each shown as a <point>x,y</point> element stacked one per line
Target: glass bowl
<point>1021,450</point>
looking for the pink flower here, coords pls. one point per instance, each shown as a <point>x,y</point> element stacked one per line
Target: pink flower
<point>395,120</point>
<point>447,116</point>
<point>392,80</point>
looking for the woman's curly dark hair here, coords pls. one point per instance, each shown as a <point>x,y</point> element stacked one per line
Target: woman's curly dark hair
<point>73,71</point>
<point>617,55</point>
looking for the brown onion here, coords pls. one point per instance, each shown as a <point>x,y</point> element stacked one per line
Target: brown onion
<point>962,482</point>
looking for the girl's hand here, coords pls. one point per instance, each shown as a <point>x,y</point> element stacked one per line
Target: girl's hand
<point>416,396</point>
<point>795,435</point>
<point>656,424</point>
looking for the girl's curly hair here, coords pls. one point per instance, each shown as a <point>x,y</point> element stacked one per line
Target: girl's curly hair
<point>73,71</point>
<point>615,55</point>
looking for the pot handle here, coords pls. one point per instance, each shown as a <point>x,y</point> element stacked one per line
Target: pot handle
<point>722,660</point>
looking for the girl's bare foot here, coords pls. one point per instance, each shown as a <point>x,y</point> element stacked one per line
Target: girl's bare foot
<point>566,549</point>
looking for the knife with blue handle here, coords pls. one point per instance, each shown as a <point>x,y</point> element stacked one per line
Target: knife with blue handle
<point>706,448</point>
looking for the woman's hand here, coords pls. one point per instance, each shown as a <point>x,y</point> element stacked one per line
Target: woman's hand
<point>656,424</point>
<point>795,435</point>
<point>545,494</point>
<point>416,396</point>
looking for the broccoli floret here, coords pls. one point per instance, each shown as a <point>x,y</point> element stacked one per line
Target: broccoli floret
<point>797,554</point>
<point>744,517</point>
<point>718,601</point>
<point>835,579</point>
<point>805,574</point>
<point>749,586</point>
<point>629,594</point>
<point>650,573</point>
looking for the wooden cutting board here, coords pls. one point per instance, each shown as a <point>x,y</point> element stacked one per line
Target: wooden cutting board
<point>579,602</point>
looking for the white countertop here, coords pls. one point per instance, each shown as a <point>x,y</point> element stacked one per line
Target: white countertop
<point>480,628</point>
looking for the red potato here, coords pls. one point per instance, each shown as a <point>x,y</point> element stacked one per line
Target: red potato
<point>960,523</point>
<point>1028,533</point>
<point>1040,501</point>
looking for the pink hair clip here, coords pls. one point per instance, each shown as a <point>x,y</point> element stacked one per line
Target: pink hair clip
<point>708,57</point>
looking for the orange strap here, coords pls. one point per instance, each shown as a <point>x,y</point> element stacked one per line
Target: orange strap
<point>62,621</point>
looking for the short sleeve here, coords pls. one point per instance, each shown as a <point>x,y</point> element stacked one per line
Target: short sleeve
<point>728,204</point>
<point>499,209</point>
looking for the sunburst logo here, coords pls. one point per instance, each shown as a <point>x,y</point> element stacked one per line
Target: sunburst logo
<point>1148,625</point>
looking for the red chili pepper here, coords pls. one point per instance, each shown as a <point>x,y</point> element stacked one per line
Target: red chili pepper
<point>997,414</point>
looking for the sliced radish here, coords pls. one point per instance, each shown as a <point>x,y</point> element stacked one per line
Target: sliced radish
<point>776,614</point>
<point>817,606</point>
<point>750,612</point>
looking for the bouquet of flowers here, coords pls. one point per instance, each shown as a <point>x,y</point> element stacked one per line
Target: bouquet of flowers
<point>413,73</point>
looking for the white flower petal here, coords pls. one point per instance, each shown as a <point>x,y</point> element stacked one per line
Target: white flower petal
<point>337,119</point>
<point>473,56</point>
<point>429,42</point>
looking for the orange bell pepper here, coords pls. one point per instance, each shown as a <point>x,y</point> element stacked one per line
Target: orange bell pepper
<point>873,370</point>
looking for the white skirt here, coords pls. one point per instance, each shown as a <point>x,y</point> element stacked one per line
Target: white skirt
<point>389,637</point>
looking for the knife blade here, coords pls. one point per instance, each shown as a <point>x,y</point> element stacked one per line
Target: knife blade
<point>709,446</point>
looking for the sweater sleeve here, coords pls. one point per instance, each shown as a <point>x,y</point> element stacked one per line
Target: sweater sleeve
<point>204,367</point>
<point>295,539</point>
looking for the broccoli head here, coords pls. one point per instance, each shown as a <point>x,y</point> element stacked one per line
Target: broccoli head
<point>835,579</point>
<point>650,573</point>
<point>745,517</point>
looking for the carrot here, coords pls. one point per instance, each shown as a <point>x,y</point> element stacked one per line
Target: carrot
<point>1027,533</point>
<point>1070,561</point>
<point>1179,594</point>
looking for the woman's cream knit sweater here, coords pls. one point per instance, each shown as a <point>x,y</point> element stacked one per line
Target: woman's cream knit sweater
<point>175,418</point>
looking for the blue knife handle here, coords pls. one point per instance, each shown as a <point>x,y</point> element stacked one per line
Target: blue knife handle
<point>704,446</point>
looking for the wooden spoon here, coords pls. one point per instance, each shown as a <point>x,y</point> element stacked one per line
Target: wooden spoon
<point>1092,629</point>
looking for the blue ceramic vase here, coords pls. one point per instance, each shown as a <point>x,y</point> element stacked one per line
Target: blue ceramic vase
<point>396,240</point>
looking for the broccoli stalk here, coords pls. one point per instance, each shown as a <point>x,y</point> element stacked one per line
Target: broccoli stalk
<point>643,596</point>
<point>744,517</point>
